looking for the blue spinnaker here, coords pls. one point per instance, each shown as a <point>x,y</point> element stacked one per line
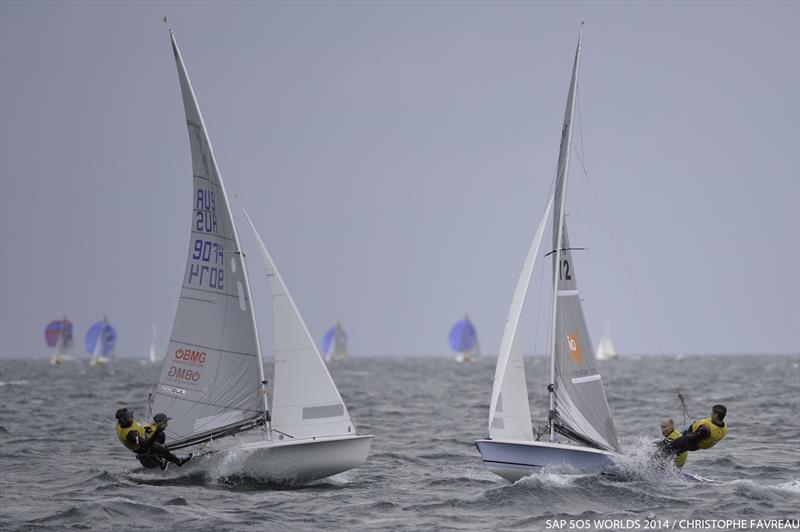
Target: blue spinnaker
<point>102,332</point>
<point>463,337</point>
<point>327,340</point>
<point>56,328</point>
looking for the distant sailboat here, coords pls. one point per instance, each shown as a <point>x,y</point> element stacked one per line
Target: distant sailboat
<point>579,410</point>
<point>334,343</point>
<point>605,348</point>
<point>212,382</point>
<point>155,354</point>
<point>464,340</point>
<point>100,340</point>
<point>58,335</point>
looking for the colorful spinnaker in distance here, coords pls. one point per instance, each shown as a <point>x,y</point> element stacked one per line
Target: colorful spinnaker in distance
<point>100,342</point>
<point>464,340</point>
<point>58,335</point>
<point>334,343</point>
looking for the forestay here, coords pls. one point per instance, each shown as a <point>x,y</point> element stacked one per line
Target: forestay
<point>580,408</point>
<point>305,400</point>
<point>212,371</point>
<point>509,411</point>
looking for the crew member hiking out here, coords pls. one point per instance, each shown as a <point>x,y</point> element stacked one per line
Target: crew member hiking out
<point>702,434</point>
<point>671,433</point>
<point>146,440</point>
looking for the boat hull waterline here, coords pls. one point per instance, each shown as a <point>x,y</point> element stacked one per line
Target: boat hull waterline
<point>291,462</point>
<point>513,460</point>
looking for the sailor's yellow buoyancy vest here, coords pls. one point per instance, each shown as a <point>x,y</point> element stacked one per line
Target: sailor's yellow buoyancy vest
<point>681,458</point>
<point>145,431</point>
<point>716,432</point>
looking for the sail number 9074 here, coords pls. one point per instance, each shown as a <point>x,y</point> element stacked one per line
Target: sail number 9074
<point>208,274</point>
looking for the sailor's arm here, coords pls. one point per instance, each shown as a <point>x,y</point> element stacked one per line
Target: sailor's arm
<point>699,435</point>
<point>144,443</point>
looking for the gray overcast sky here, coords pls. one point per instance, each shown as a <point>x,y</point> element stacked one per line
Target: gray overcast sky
<point>396,158</point>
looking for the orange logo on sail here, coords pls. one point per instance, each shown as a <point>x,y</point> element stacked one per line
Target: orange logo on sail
<point>574,347</point>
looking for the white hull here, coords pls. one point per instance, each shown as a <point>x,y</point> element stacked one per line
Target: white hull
<point>464,357</point>
<point>513,460</point>
<point>290,462</point>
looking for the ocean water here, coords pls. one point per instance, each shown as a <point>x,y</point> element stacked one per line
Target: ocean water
<point>61,466</point>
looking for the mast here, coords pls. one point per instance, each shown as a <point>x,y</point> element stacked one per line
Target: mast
<point>238,250</point>
<point>560,194</point>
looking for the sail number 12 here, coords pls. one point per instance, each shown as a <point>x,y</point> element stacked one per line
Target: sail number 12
<point>563,272</point>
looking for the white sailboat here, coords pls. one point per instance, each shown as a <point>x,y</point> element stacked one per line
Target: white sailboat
<point>334,343</point>
<point>100,340</point>
<point>581,435</point>
<point>155,354</point>
<point>212,381</point>
<point>605,348</point>
<point>463,340</point>
<point>58,335</point>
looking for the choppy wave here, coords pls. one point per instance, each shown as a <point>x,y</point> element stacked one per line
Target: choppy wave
<point>423,472</point>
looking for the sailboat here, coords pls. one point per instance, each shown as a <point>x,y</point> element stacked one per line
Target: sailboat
<point>464,340</point>
<point>605,348</point>
<point>580,434</point>
<point>100,340</point>
<point>58,335</point>
<point>155,354</point>
<point>334,343</point>
<point>212,383</point>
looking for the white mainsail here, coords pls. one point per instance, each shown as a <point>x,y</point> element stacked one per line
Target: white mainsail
<point>305,400</point>
<point>578,405</point>
<point>212,374</point>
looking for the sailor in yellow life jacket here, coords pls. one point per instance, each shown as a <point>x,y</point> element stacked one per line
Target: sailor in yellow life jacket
<point>671,433</point>
<point>146,440</point>
<point>702,434</point>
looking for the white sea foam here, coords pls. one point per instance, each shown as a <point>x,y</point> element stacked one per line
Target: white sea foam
<point>14,383</point>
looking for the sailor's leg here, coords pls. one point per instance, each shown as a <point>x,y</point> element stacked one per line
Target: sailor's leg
<point>162,452</point>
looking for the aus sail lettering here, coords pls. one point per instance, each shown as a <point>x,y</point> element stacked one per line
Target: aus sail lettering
<point>206,215</point>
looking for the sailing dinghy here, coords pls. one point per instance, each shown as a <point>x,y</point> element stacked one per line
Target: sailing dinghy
<point>156,355</point>
<point>334,343</point>
<point>100,340</point>
<point>605,349</point>
<point>212,381</point>
<point>58,335</point>
<point>581,436</point>
<point>463,340</point>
